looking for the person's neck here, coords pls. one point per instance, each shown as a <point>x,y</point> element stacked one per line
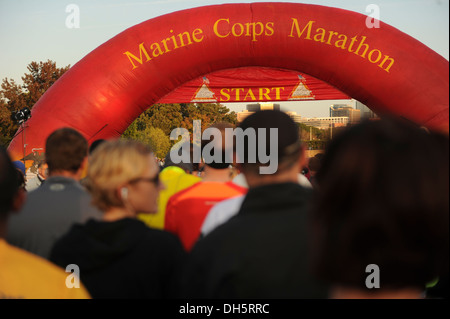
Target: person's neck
<point>216,175</point>
<point>353,293</point>
<point>74,175</point>
<point>117,213</point>
<point>255,180</point>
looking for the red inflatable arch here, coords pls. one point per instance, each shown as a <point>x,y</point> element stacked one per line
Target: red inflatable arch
<point>103,93</point>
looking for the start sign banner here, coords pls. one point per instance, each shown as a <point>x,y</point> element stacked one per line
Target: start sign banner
<point>253,84</point>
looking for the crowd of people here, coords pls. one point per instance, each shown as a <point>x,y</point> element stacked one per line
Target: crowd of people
<point>135,228</point>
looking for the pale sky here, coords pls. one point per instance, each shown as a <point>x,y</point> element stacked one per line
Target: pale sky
<point>36,30</point>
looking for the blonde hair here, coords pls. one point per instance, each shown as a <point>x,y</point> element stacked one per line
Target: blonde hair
<point>112,164</point>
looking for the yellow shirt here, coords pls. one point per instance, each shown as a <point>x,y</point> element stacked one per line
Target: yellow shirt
<point>27,276</point>
<point>175,179</point>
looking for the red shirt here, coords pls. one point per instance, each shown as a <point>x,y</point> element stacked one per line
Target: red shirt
<point>187,209</point>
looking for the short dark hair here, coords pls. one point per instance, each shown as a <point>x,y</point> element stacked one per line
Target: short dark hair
<point>314,164</point>
<point>9,183</point>
<point>65,150</point>
<point>186,166</point>
<point>225,161</point>
<point>382,199</point>
<point>288,140</point>
<point>95,144</point>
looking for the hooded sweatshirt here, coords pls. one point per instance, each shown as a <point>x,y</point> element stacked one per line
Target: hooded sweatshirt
<point>122,259</point>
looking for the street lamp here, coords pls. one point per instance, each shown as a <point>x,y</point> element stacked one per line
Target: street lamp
<point>21,116</point>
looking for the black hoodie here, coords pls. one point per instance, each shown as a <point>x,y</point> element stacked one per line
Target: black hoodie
<point>122,259</point>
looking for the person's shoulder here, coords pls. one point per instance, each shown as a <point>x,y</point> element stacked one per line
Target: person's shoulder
<point>61,184</point>
<point>184,193</point>
<point>31,276</point>
<point>213,242</point>
<point>162,235</point>
<point>236,187</point>
<point>212,189</point>
<point>148,233</point>
<point>74,234</point>
<point>32,184</point>
<point>22,258</point>
<point>160,238</point>
<point>220,213</point>
<point>186,180</point>
<point>229,206</point>
<point>236,200</point>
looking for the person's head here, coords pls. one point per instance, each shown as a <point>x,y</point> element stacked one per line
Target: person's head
<point>181,158</point>
<point>124,174</point>
<point>319,156</point>
<point>65,151</point>
<point>21,179</point>
<point>277,138</point>
<point>12,195</point>
<point>217,149</point>
<point>314,165</point>
<point>42,168</point>
<point>94,145</point>
<point>382,199</point>
<point>20,166</point>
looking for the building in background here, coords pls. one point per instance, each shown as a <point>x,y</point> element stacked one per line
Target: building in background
<point>343,110</point>
<point>252,108</point>
<point>366,113</point>
<point>263,106</point>
<point>242,115</point>
<point>318,122</point>
<point>294,116</point>
<point>326,122</point>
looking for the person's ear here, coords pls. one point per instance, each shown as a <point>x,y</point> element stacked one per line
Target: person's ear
<point>19,200</point>
<point>124,193</point>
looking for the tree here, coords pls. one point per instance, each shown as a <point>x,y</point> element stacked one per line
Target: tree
<point>41,77</point>
<point>159,141</point>
<point>132,132</point>
<point>313,137</point>
<point>171,116</point>
<point>164,116</point>
<point>208,113</point>
<point>152,136</point>
<point>310,132</point>
<point>14,97</point>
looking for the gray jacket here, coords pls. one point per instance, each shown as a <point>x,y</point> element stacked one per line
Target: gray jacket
<point>48,213</point>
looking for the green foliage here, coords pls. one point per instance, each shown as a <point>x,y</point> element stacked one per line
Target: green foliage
<point>316,144</point>
<point>313,137</point>
<point>152,136</point>
<point>132,132</point>
<point>163,116</point>
<point>14,97</point>
<point>208,113</point>
<point>159,141</point>
<point>312,133</point>
<point>168,117</point>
